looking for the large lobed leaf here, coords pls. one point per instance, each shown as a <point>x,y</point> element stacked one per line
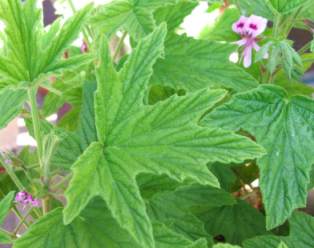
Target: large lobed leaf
<point>158,139</point>
<point>284,127</point>
<point>94,228</point>
<point>196,64</point>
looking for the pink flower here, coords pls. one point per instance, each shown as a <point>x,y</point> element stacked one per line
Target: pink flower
<point>22,197</point>
<point>84,47</point>
<point>25,199</point>
<point>249,28</point>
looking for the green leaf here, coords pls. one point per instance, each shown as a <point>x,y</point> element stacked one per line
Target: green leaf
<point>159,139</point>
<point>226,246</point>
<point>301,235</point>
<point>73,144</point>
<point>62,40</point>
<point>11,102</point>
<point>225,175</point>
<point>301,231</point>
<point>5,238</point>
<point>288,6</point>
<point>94,228</point>
<point>174,15</point>
<point>5,206</point>
<point>284,127</point>
<point>177,209</point>
<point>282,54</point>
<point>272,8</point>
<point>133,16</point>
<point>166,238</point>
<point>282,245</point>
<point>221,30</point>
<point>235,223</point>
<point>28,50</point>
<point>196,64</point>
<point>266,241</point>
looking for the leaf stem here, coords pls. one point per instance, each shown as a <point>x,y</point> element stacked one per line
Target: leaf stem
<point>22,222</point>
<point>306,47</point>
<point>61,182</point>
<point>32,94</point>
<point>12,235</point>
<point>119,46</point>
<point>88,31</point>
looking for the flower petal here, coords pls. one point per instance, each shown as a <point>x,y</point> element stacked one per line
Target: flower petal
<point>247,56</point>
<point>239,26</point>
<point>255,25</point>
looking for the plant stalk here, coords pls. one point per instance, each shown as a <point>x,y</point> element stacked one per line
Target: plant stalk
<point>119,46</point>
<point>32,94</point>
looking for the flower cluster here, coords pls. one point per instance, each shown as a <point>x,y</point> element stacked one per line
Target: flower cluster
<point>25,198</point>
<point>249,28</point>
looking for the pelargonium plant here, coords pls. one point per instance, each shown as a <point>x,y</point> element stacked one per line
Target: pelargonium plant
<point>161,141</point>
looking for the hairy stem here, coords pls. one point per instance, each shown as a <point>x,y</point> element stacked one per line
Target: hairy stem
<point>119,46</point>
<point>22,222</point>
<point>86,32</point>
<point>32,93</point>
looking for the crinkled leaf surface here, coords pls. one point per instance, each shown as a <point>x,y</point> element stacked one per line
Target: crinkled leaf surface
<point>166,238</point>
<point>225,246</point>
<point>11,102</point>
<point>73,144</point>
<point>174,15</point>
<point>196,64</point>
<point>177,209</point>
<point>285,128</point>
<point>301,235</point>
<point>94,228</point>
<point>133,16</point>
<point>158,139</point>
<point>301,231</point>
<point>235,223</point>
<point>28,49</point>
<point>265,241</point>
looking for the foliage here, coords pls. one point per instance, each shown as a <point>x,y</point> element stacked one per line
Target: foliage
<point>166,144</point>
